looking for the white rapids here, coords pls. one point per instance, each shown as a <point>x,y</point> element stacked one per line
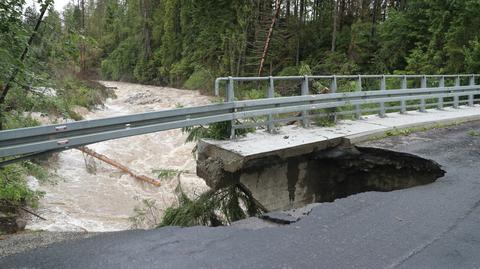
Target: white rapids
<point>104,201</point>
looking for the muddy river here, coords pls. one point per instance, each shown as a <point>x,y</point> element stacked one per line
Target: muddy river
<point>105,199</point>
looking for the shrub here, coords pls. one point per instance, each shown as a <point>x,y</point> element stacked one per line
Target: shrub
<point>213,208</point>
<point>201,79</point>
<point>14,189</point>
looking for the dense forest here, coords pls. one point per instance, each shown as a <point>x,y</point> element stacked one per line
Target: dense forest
<point>50,59</point>
<point>188,43</point>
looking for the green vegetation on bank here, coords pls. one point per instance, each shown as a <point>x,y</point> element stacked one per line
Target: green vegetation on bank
<point>39,79</point>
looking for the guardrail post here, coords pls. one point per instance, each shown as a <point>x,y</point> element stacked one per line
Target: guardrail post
<point>441,84</point>
<point>383,87</point>
<point>270,94</point>
<point>217,87</point>
<point>333,89</point>
<point>305,121</point>
<point>403,105</point>
<point>455,98</point>
<point>358,108</point>
<point>423,85</point>
<point>470,96</point>
<point>230,97</point>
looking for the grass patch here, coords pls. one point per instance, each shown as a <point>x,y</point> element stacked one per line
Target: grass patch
<point>474,133</point>
<point>408,131</point>
<point>399,132</point>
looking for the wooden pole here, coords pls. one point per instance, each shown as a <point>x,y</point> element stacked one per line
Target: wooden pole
<point>119,166</point>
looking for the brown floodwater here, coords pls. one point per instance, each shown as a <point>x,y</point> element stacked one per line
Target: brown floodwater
<point>104,200</point>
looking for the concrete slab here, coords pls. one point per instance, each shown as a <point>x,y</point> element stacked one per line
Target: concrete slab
<point>291,136</point>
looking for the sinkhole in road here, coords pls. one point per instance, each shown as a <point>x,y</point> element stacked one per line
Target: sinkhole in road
<point>347,170</point>
<point>294,177</point>
<point>329,174</point>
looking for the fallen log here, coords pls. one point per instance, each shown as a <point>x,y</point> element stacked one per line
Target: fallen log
<point>119,166</point>
<point>33,213</point>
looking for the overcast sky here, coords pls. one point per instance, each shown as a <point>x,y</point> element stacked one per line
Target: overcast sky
<point>59,4</point>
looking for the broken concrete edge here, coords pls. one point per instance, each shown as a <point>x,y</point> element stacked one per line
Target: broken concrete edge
<point>233,161</point>
<point>275,219</point>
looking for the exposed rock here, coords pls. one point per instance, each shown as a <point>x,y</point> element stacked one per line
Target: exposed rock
<point>21,223</point>
<point>211,170</point>
<point>143,98</point>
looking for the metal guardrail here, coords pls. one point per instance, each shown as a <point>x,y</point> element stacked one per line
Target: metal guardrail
<point>377,83</point>
<point>40,139</point>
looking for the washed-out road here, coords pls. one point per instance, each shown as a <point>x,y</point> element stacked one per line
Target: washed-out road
<point>430,226</point>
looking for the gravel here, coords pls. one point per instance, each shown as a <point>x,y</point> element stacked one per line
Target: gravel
<point>20,242</point>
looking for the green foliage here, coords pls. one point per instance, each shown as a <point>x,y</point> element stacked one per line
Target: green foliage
<point>201,79</point>
<point>212,208</point>
<point>324,121</point>
<point>120,64</point>
<point>13,184</point>
<point>253,94</point>
<point>289,71</point>
<point>474,133</point>
<point>472,56</point>
<point>216,131</point>
<point>146,215</point>
<point>336,63</point>
<point>15,120</point>
<point>399,132</point>
<point>37,171</point>
<point>166,173</point>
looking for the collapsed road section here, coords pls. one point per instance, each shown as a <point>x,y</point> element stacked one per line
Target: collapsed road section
<point>293,177</point>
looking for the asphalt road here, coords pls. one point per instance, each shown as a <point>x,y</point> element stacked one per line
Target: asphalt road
<point>431,226</point>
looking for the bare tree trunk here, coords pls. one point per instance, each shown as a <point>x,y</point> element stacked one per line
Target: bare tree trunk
<point>118,165</point>
<point>278,4</point>
<point>288,10</point>
<point>145,7</point>
<point>82,42</point>
<point>334,31</point>
<point>8,85</point>
<point>341,12</point>
<point>374,18</point>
